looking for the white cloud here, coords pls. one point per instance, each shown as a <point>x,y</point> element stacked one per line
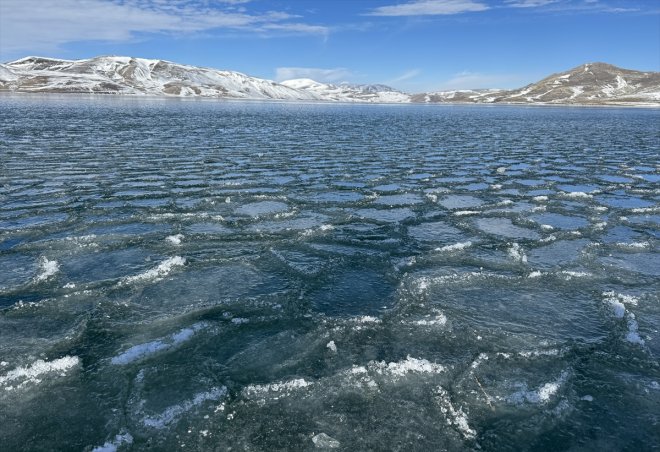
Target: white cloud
<point>297,28</point>
<point>575,6</point>
<point>38,25</point>
<point>320,75</point>
<point>475,80</point>
<point>405,76</point>
<point>429,8</point>
<point>528,3</point>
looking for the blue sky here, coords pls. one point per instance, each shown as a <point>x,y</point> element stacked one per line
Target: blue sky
<point>413,45</point>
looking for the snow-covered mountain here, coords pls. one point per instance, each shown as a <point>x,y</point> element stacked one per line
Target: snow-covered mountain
<point>346,92</point>
<point>592,83</point>
<point>589,84</point>
<point>137,76</point>
<point>458,96</point>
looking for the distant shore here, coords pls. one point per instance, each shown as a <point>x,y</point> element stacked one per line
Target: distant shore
<point>322,102</point>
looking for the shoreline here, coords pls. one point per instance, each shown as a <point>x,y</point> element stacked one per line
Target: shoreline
<point>320,102</point>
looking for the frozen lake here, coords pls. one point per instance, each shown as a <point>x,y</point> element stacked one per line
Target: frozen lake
<point>262,276</point>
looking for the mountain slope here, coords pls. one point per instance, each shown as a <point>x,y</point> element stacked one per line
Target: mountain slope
<point>588,84</point>
<point>139,76</point>
<point>458,96</point>
<point>125,75</point>
<point>346,92</point>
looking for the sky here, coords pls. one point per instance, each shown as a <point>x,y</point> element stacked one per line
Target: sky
<point>412,45</point>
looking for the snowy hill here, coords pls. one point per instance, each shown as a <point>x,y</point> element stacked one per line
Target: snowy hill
<point>346,92</point>
<point>458,96</point>
<point>589,84</point>
<point>137,76</point>
<point>592,83</point>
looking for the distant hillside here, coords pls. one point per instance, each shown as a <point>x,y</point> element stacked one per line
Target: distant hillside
<point>137,76</point>
<point>349,92</point>
<point>589,84</point>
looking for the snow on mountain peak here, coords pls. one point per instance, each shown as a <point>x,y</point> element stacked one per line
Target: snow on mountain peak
<point>591,83</point>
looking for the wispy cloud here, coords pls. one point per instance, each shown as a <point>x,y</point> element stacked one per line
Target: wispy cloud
<point>297,28</point>
<point>429,8</point>
<point>318,74</point>
<point>476,80</point>
<point>405,76</point>
<point>581,6</point>
<point>37,25</point>
<point>528,3</point>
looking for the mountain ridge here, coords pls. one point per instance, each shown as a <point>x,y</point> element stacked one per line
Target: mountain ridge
<point>594,83</point>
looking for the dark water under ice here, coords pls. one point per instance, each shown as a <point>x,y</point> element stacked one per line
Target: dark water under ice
<point>248,276</point>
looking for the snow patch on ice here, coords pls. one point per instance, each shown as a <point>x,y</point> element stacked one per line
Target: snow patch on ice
<point>112,446</point>
<point>163,269</point>
<point>173,413</point>
<point>141,351</point>
<point>324,441</point>
<point>365,319</point>
<point>455,247</point>
<point>408,365</point>
<point>455,417</point>
<point>577,195</point>
<point>570,274</point>
<point>517,254</point>
<point>175,239</point>
<point>539,396</point>
<point>439,319</point>
<point>645,209</point>
<point>280,387</point>
<point>634,245</point>
<point>633,333</point>
<point>47,269</point>
<point>617,303</point>
<point>480,359</point>
<point>35,372</point>
<point>423,283</point>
